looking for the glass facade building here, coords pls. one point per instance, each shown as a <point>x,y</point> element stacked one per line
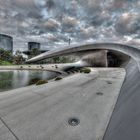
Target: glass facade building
<point>6,42</point>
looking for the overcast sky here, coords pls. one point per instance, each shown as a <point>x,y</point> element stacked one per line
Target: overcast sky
<point>53,22</point>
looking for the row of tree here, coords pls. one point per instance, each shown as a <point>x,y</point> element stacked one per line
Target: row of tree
<point>6,57</point>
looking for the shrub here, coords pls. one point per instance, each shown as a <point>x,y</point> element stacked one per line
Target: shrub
<point>34,81</point>
<point>5,62</point>
<point>58,78</point>
<point>40,82</point>
<point>56,66</point>
<point>85,70</point>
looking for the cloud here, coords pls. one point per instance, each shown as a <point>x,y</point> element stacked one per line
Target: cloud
<point>128,23</point>
<point>52,38</point>
<point>99,19</point>
<point>53,22</point>
<point>87,32</point>
<point>51,25</point>
<point>70,21</point>
<point>69,24</point>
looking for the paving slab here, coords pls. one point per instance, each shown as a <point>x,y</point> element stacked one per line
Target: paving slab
<point>5,134</point>
<point>77,107</point>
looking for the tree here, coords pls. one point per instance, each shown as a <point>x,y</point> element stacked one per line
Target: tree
<point>18,58</point>
<point>6,55</point>
<point>35,52</point>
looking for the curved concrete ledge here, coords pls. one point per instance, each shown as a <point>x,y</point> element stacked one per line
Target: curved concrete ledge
<point>126,49</point>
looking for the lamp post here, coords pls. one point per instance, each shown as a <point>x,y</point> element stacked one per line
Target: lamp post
<point>69,41</point>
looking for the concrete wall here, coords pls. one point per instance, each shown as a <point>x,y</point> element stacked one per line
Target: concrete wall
<point>95,58</point>
<point>125,121</point>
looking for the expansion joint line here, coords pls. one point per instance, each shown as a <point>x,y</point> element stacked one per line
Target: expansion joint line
<point>6,125</point>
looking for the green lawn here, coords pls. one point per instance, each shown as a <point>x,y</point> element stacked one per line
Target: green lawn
<point>3,63</point>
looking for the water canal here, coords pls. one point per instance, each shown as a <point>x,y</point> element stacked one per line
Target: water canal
<point>12,79</point>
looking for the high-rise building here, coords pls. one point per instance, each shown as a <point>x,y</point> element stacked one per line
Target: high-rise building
<point>6,42</point>
<point>34,48</point>
<point>33,45</point>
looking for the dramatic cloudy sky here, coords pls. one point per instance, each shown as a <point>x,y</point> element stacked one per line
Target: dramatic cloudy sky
<point>52,22</point>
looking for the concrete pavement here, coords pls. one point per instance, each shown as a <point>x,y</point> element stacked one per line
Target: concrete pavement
<point>42,112</point>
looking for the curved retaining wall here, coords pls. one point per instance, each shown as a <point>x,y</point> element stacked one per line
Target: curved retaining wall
<point>125,121</point>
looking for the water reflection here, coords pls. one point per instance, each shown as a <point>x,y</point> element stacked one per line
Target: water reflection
<point>16,78</point>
